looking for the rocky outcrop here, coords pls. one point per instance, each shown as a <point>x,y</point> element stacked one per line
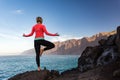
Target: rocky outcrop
<point>117,42</point>
<point>35,75</point>
<point>104,72</point>
<point>74,46</point>
<point>110,71</point>
<point>106,52</point>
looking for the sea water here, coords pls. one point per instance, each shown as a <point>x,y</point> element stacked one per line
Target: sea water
<point>12,65</point>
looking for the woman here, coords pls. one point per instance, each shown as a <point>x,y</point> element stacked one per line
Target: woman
<point>39,40</point>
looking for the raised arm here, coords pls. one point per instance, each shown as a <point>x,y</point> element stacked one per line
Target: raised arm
<point>47,33</point>
<point>28,35</point>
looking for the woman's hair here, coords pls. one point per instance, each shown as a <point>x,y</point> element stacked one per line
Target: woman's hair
<point>39,19</point>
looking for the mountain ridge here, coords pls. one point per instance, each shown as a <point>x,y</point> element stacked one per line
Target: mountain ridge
<point>68,47</point>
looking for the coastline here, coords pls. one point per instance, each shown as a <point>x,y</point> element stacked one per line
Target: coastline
<point>101,62</point>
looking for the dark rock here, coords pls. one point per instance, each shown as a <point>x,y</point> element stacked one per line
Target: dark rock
<point>104,72</point>
<point>101,73</point>
<point>102,42</point>
<point>73,71</point>
<point>36,75</point>
<point>116,73</point>
<point>107,56</point>
<point>111,40</point>
<point>100,55</point>
<point>117,41</point>
<point>89,57</point>
<point>54,74</point>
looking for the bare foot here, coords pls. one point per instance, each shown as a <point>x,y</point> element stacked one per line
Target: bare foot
<point>38,68</point>
<point>41,51</point>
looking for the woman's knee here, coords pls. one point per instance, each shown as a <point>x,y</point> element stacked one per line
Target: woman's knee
<point>53,45</point>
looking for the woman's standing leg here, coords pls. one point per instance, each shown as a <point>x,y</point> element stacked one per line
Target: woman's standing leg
<point>37,50</point>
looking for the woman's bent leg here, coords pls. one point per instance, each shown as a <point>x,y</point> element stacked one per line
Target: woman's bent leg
<point>48,45</point>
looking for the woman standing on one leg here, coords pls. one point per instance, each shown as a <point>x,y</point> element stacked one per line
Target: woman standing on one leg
<point>39,30</point>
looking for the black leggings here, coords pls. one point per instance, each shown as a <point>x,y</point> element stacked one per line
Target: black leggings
<point>37,45</point>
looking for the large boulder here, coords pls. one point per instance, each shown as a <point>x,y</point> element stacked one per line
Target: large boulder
<point>106,52</point>
<point>89,57</point>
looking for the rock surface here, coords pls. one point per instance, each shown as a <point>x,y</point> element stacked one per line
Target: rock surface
<point>101,62</point>
<point>35,75</point>
<point>106,52</point>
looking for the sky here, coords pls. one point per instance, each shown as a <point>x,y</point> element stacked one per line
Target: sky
<point>72,19</point>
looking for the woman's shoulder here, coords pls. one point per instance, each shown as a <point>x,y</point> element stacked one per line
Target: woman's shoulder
<point>43,25</point>
<point>38,25</point>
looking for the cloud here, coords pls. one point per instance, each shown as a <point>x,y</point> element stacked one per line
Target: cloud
<point>14,44</point>
<point>64,38</point>
<point>18,11</point>
<point>7,36</point>
<point>7,33</point>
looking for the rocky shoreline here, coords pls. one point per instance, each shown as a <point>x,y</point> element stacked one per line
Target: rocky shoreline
<point>101,62</point>
<point>107,72</point>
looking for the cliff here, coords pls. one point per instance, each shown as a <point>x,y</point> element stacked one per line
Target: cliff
<point>74,46</point>
<point>101,62</point>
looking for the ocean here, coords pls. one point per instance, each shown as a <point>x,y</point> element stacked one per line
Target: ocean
<point>12,65</point>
